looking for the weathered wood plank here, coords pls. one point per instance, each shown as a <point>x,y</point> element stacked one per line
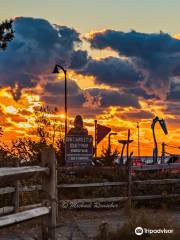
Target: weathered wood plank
<point>144,197</point>
<point>32,188</point>
<point>102,184</point>
<point>6,210</point>
<point>28,207</point>
<point>14,173</point>
<point>158,181</point>
<point>156,167</point>
<point>23,216</point>
<point>106,184</point>
<point>9,209</point>
<point>76,169</point>
<point>7,190</point>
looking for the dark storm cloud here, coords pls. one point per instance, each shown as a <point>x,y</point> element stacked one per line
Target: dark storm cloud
<point>54,94</point>
<point>79,59</point>
<point>134,43</point>
<point>74,101</point>
<point>58,87</point>
<point>37,46</point>
<point>174,93</point>
<point>114,98</point>
<point>156,55</point>
<point>140,92</point>
<point>92,98</point>
<point>173,99</point>
<point>113,71</point>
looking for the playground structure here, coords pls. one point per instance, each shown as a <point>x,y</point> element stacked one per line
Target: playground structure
<point>124,143</point>
<point>155,149</point>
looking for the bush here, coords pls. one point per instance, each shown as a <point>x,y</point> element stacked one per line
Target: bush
<point>144,220</point>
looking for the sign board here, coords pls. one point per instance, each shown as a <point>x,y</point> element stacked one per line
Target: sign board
<point>79,149</point>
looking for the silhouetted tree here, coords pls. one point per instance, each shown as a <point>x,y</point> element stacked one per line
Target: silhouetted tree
<point>47,125</point>
<point>6,33</point>
<point>27,151</point>
<point>60,151</point>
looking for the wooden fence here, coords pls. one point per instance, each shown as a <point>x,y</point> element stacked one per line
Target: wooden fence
<point>47,210</point>
<point>129,184</point>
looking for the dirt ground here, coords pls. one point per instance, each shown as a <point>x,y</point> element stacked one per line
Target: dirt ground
<point>80,224</point>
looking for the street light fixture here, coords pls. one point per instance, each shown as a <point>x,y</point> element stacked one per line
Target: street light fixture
<point>56,70</point>
<point>109,143</point>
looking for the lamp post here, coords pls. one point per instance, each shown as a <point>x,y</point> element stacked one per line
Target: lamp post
<point>138,142</point>
<point>109,143</point>
<point>56,70</point>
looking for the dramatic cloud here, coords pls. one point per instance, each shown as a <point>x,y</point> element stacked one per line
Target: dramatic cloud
<point>114,98</point>
<point>157,56</point>
<point>140,92</point>
<point>79,59</point>
<point>147,68</point>
<point>173,99</point>
<point>54,94</point>
<point>37,46</point>
<point>92,98</point>
<point>174,93</point>
<point>135,44</point>
<point>112,71</point>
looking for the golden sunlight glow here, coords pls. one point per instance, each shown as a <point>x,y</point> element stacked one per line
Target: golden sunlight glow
<point>177,36</point>
<point>4,92</point>
<point>24,125</point>
<point>19,120</point>
<point>90,35</point>
<point>11,110</point>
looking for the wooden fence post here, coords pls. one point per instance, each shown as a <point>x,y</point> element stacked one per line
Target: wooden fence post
<point>16,193</point>
<point>50,187</point>
<point>129,171</point>
<point>129,185</point>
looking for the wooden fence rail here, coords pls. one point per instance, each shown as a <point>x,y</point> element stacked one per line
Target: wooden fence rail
<point>7,190</point>
<point>73,203</point>
<point>48,209</point>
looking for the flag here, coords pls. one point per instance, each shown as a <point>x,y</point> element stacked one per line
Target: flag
<point>102,131</point>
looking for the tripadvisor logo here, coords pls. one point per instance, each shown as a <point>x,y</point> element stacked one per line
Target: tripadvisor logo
<point>139,231</point>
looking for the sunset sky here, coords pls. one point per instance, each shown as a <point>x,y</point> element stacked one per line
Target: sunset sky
<point>123,62</point>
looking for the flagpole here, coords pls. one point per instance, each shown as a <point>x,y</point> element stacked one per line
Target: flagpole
<point>95,124</point>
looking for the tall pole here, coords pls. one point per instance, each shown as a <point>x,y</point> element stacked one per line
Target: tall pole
<point>138,141</point>
<point>95,124</point>
<point>109,145</point>
<point>56,70</point>
<point>163,153</point>
<point>127,147</point>
<point>65,101</point>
